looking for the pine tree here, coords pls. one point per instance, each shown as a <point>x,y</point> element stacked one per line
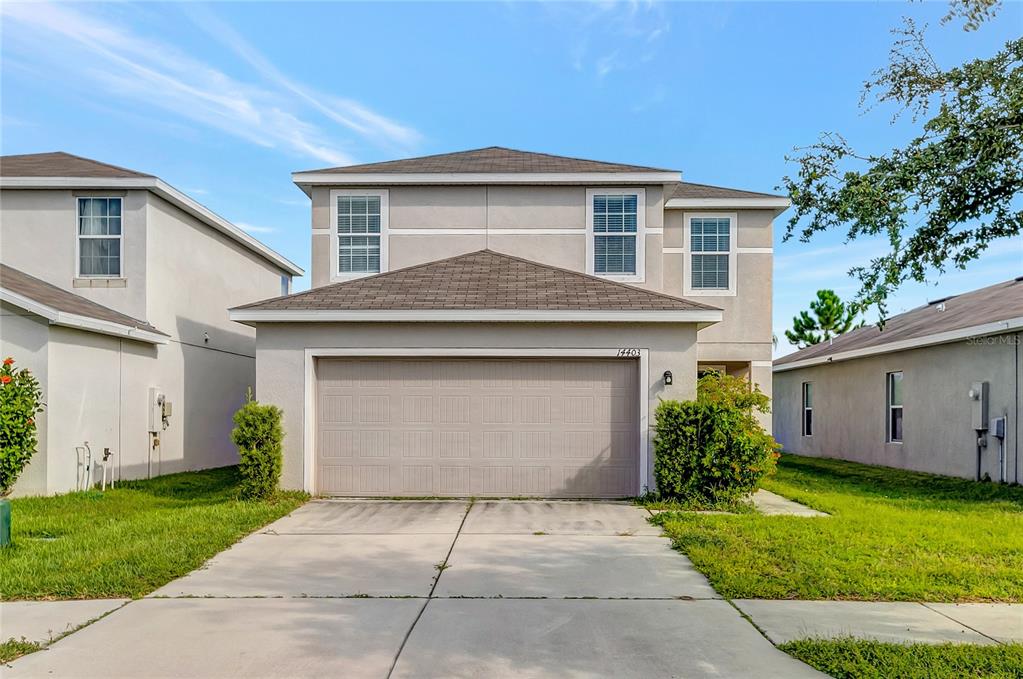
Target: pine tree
<point>831,317</point>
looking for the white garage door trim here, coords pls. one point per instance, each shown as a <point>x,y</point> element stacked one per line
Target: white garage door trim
<point>312,353</point>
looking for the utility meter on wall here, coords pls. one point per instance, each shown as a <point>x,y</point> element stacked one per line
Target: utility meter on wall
<point>159,411</point>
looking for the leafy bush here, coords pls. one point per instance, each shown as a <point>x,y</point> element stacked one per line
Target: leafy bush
<point>19,404</point>
<point>258,435</point>
<point>713,449</point>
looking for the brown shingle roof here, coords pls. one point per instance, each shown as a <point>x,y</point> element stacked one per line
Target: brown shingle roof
<point>490,159</point>
<point>999,302</point>
<point>61,300</point>
<point>478,281</point>
<point>691,190</point>
<point>60,164</point>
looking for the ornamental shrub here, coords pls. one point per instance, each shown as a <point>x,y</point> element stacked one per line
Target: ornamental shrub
<point>258,435</point>
<point>19,404</point>
<point>713,449</point>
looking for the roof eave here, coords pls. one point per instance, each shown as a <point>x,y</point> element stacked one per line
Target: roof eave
<point>168,193</point>
<point>703,317</point>
<point>777,204</point>
<point>306,180</point>
<point>79,322</point>
<point>982,330</point>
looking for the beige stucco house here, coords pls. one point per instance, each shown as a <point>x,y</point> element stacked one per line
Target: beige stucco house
<point>114,290</point>
<point>918,394</point>
<point>502,323</point>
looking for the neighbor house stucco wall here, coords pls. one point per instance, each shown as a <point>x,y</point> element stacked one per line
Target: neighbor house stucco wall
<point>38,235</point>
<point>181,276</point>
<point>25,338</point>
<point>850,407</point>
<point>281,374</point>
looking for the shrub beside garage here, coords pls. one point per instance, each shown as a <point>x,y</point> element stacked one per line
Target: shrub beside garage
<point>713,450</point>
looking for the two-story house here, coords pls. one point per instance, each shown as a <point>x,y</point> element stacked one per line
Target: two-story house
<point>502,323</point>
<point>114,290</point>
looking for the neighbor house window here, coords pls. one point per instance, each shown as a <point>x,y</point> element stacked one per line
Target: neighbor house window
<point>285,285</point>
<point>616,225</point>
<point>807,408</point>
<point>360,233</point>
<point>894,389</point>
<point>99,237</point>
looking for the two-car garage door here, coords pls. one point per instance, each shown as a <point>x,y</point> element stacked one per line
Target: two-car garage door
<point>474,426</point>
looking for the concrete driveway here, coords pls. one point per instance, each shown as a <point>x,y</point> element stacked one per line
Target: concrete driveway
<point>431,589</point>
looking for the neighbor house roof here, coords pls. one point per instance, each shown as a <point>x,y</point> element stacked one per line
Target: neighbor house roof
<point>483,285</point>
<point>991,310</point>
<point>60,164</point>
<point>62,307</point>
<point>491,165</point>
<point>691,190</point>
<point>61,170</point>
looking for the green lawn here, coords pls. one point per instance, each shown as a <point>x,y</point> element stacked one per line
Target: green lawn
<point>128,541</point>
<point>859,659</point>
<point>893,535</point>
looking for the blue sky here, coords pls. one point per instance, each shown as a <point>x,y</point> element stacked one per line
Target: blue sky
<point>225,100</point>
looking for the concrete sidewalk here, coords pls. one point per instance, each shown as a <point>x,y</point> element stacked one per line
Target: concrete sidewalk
<point>42,621</point>
<point>895,621</point>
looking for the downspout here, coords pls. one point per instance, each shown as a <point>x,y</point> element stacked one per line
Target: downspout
<point>1016,423</point>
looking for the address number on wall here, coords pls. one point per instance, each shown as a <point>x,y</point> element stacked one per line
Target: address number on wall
<point>628,352</point>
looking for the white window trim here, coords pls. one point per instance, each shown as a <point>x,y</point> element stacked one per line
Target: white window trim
<point>640,193</point>
<point>687,275</point>
<point>802,400</point>
<point>79,237</point>
<point>383,194</point>
<point>888,409</point>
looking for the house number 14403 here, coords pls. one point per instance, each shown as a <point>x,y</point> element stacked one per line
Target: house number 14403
<point>628,353</point>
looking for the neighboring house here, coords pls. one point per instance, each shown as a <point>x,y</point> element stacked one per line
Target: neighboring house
<point>114,290</point>
<point>915,394</point>
<point>502,323</point>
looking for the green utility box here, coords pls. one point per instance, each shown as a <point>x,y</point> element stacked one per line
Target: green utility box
<point>5,523</point>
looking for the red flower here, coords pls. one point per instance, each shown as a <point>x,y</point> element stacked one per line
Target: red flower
<point>5,379</point>
<point>8,361</point>
<point>31,421</point>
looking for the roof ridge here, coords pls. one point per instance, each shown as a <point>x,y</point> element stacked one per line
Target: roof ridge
<point>486,148</point>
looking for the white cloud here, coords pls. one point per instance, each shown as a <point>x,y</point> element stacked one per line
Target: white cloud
<point>109,59</point>
<point>252,228</point>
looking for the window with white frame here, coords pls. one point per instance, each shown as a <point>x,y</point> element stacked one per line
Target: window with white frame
<point>894,398</point>
<point>710,246</point>
<point>616,224</point>
<point>807,408</point>
<point>99,238</point>
<point>360,232</point>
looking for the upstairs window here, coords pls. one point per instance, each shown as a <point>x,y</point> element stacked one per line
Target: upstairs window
<point>99,238</point>
<point>360,233</point>
<point>616,224</point>
<point>807,408</point>
<point>710,243</point>
<point>710,250</point>
<point>894,390</point>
